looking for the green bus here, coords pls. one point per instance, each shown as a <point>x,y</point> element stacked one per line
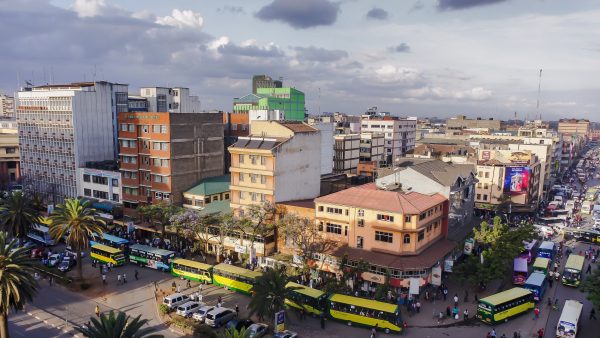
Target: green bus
<point>151,257</point>
<point>106,254</point>
<point>235,278</point>
<point>572,272</point>
<point>541,265</point>
<point>502,306</point>
<point>313,301</point>
<point>365,312</point>
<point>191,270</point>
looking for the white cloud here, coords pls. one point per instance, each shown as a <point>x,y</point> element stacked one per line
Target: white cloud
<point>181,19</point>
<point>88,8</point>
<point>216,43</point>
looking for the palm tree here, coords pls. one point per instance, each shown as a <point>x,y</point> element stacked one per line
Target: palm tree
<point>204,331</point>
<point>17,285</point>
<point>18,214</point>
<point>119,326</point>
<point>78,221</point>
<point>269,293</point>
<point>233,333</point>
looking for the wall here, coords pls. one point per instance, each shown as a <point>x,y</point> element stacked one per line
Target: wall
<point>109,188</point>
<point>327,131</point>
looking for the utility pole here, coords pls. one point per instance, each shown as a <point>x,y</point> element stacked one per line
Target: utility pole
<point>538,95</point>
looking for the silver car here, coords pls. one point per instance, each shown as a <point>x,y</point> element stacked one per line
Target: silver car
<point>200,315</point>
<point>219,316</point>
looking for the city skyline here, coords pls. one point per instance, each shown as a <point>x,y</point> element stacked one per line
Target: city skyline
<point>422,58</point>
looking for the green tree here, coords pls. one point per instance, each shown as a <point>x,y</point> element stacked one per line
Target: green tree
<point>17,285</point>
<point>233,333</point>
<point>269,293</point>
<point>18,214</point>
<point>204,331</point>
<point>119,326</point>
<point>159,214</point>
<point>591,285</point>
<point>258,221</point>
<point>302,234</point>
<point>77,220</point>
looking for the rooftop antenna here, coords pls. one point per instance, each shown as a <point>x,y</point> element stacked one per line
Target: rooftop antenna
<point>538,96</point>
<point>319,101</point>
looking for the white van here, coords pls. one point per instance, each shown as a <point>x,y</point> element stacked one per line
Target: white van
<point>586,207</point>
<point>569,319</point>
<point>174,300</point>
<point>558,199</point>
<point>188,309</point>
<point>219,316</point>
<point>570,205</point>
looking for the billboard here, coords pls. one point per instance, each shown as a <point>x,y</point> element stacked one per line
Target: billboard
<point>516,180</point>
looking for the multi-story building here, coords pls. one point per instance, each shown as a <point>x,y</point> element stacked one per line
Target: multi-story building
<point>173,100</point>
<point>461,122</point>
<point>346,149</point>
<point>580,127</point>
<point>264,81</point>
<point>508,181</point>
<point>61,127</point>
<point>7,106</point>
<point>279,161</point>
<point>327,130</point>
<point>400,133</point>
<point>163,154</point>
<point>100,181</point>
<point>456,182</point>
<point>371,147</point>
<point>455,153</point>
<point>10,168</point>
<point>398,233</point>
<point>272,104</point>
<point>209,190</point>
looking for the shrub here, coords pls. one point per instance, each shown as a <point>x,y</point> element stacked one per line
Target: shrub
<point>204,331</point>
<point>184,323</point>
<point>163,309</point>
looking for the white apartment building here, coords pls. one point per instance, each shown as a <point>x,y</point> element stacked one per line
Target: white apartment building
<point>103,185</point>
<point>174,100</point>
<point>61,127</point>
<point>372,147</point>
<point>7,106</point>
<point>399,134</point>
<point>346,153</point>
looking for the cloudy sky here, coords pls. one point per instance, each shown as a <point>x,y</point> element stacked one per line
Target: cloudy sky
<point>410,57</point>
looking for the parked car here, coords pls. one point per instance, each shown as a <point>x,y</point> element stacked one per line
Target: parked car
<point>239,323</point>
<point>53,260</point>
<point>543,230</point>
<point>286,334</point>
<point>189,308</point>
<point>257,330</point>
<point>219,316</point>
<point>200,315</point>
<point>67,264</point>
<point>174,300</point>
<point>69,251</point>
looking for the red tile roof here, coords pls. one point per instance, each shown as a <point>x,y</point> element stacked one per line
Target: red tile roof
<point>367,196</point>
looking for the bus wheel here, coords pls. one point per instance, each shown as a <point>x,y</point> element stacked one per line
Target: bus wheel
<point>349,323</point>
<point>387,330</point>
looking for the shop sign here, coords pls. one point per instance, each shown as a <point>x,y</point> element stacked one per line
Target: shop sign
<point>448,264</point>
<point>240,249</point>
<point>469,243</point>
<point>368,276</point>
<point>436,275</point>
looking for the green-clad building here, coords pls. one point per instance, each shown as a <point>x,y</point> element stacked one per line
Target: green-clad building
<point>287,101</point>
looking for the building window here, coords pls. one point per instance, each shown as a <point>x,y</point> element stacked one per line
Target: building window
<point>100,180</point>
<point>407,239</point>
<point>487,174</point>
<point>241,177</point>
<point>421,235</point>
<point>263,160</point>
<point>485,197</point>
<point>123,127</point>
<point>226,196</point>
<point>361,213</point>
<point>480,174</point>
<point>334,228</point>
<point>479,185</point>
<point>359,242</point>
<point>115,182</point>
<point>86,177</point>
<point>407,218</point>
<point>87,192</point>
<point>253,178</point>
<point>241,158</point>
<point>131,127</point>
<point>242,195</point>
<point>100,194</point>
<point>385,218</point>
<point>334,210</point>
<point>381,236</point>
<point>163,129</point>
<point>11,150</point>
<point>263,179</point>
<point>253,159</point>
<point>361,222</point>
<point>115,197</point>
<point>320,226</point>
<point>485,186</point>
<point>320,208</point>
<point>422,216</point>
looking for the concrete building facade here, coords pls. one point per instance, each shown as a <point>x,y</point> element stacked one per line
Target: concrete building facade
<point>100,184</point>
<point>10,167</point>
<point>461,122</point>
<point>580,127</point>
<point>346,153</point>
<point>173,100</point>
<point>163,154</point>
<point>399,134</point>
<point>61,127</point>
<point>7,106</point>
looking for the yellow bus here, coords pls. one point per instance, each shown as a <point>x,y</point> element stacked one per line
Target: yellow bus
<point>572,273</point>
<point>191,270</point>
<point>542,265</point>
<point>106,254</point>
<point>502,306</point>
<point>313,301</point>
<point>235,278</point>
<point>365,312</point>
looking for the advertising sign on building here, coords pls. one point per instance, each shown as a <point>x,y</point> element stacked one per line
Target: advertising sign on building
<point>469,243</point>
<point>448,264</point>
<point>519,157</point>
<point>414,286</point>
<point>240,249</point>
<point>516,180</point>
<point>436,275</point>
<point>280,321</point>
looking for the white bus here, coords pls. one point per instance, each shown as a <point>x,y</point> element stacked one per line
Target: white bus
<point>569,319</point>
<point>39,233</point>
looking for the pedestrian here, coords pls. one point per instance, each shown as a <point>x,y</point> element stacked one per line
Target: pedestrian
<point>418,306</point>
<point>50,281</point>
<point>104,279</point>
<point>540,333</point>
<point>302,314</point>
<point>135,274</point>
<point>178,288</point>
<point>219,299</point>
<point>322,322</point>
<point>119,279</point>
<point>199,297</point>
<point>173,286</point>
<point>200,288</point>
<point>237,310</point>
<point>448,311</point>
<point>493,333</point>
<point>445,292</point>
<point>97,311</point>
<point>536,312</point>
<point>124,278</point>
<point>466,296</point>
<point>476,299</point>
<point>550,282</point>
<point>589,269</point>
<point>455,299</point>
<point>503,336</point>
<point>466,315</point>
<point>373,332</point>
<point>593,314</point>
<point>189,284</point>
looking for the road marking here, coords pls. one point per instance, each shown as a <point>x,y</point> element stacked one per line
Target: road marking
<point>36,317</point>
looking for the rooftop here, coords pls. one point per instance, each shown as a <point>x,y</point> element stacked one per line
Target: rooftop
<point>444,173</point>
<point>368,196</point>
<point>211,186</point>
<point>308,203</point>
<point>253,142</point>
<point>217,207</point>
<point>298,127</point>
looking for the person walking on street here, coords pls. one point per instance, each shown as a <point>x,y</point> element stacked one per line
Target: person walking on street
<point>189,284</point>
<point>493,333</point>
<point>97,311</point>
<point>104,279</point>
<point>50,281</point>
<point>178,288</point>
<point>540,333</point>
<point>119,279</point>
<point>589,269</point>
<point>455,299</point>
<point>536,312</point>
<point>373,332</point>
<point>593,314</point>
<point>418,306</point>
<point>135,274</point>
<point>124,278</point>
<point>466,315</point>
<point>445,293</point>
<point>237,310</point>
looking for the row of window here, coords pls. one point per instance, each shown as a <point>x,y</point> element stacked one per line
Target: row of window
<point>254,159</point>
<point>156,128</point>
<point>254,196</point>
<point>254,178</point>
<point>100,180</point>
<point>156,162</point>
<point>100,194</point>
<point>207,200</point>
<point>145,144</point>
